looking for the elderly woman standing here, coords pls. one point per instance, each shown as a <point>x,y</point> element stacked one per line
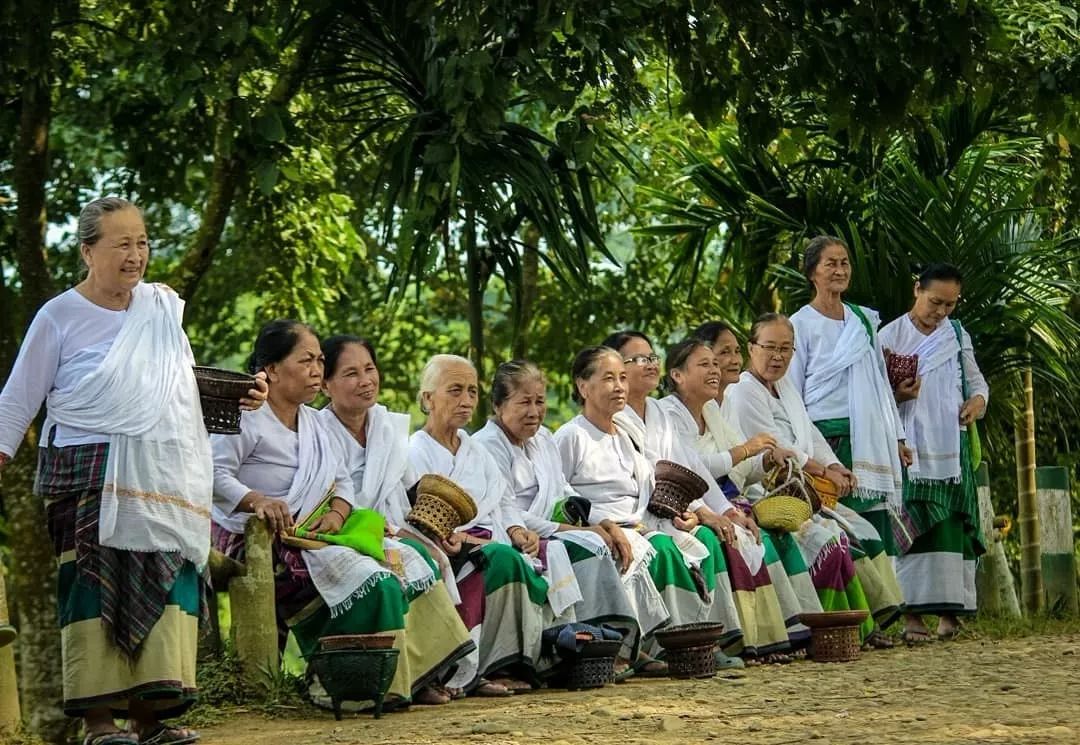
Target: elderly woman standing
<point>938,409</point>
<point>528,459</point>
<point>126,475</point>
<point>375,445</point>
<point>286,468</point>
<point>503,595</point>
<point>694,377</point>
<point>838,370</point>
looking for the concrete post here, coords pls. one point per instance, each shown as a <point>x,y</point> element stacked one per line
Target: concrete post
<point>251,596</point>
<point>1056,540</point>
<point>993,581</point>
<point>10,716</point>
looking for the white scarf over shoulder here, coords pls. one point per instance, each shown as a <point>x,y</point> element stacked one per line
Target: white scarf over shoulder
<point>159,478</point>
<point>871,409</point>
<point>749,403</point>
<point>931,421</point>
<point>340,574</point>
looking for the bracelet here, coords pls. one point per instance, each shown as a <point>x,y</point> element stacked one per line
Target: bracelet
<point>511,529</point>
<point>341,514</point>
<point>746,452</point>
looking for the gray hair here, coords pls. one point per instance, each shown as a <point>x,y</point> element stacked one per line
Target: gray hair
<point>433,372</point>
<point>511,376</point>
<point>90,217</point>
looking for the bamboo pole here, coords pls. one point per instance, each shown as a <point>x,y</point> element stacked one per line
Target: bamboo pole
<point>1056,540</point>
<point>1031,583</point>
<point>10,715</point>
<point>254,623</point>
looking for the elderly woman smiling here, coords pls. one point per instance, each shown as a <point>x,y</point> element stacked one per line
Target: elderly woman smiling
<point>126,475</point>
<point>503,595</point>
<point>375,445</point>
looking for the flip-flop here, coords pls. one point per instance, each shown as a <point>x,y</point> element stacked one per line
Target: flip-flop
<point>911,638</point>
<point>723,662</point>
<point>877,640</point>
<point>948,636</point>
<point>624,674</point>
<point>119,737</point>
<point>487,689</point>
<point>163,734</point>
<point>650,668</point>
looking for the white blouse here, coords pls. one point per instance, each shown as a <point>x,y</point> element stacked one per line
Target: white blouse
<point>67,341</point>
<point>600,467</point>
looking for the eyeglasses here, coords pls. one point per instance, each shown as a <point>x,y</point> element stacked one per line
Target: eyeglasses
<point>771,349</point>
<point>642,359</point>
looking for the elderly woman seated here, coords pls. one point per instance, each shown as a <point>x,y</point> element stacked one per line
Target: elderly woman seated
<point>603,463</point>
<point>763,400</point>
<point>504,597</point>
<point>694,377</point>
<point>287,468</point>
<point>529,461</point>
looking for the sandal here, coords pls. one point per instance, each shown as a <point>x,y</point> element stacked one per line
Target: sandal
<point>117,737</point>
<point>623,671</point>
<point>163,734</point>
<point>778,658</point>
<point>647,667</point>
<point>431,696</point>
<point>878,640</point>
<point>487,689</point>
<point>911,637</point>
<point>512,684</point>
<point>723,662</point>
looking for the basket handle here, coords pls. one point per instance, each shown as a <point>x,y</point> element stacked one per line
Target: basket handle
<point>795,478</point>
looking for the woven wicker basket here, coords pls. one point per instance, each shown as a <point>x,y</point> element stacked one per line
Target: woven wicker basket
<point>827,493</point>
<point>690,649</point>
<point>441,506</point>
<point>355,675</point>
<point>592,667</point>
<point>834,636</point>
<point>676,487</point>
<point>692,662</point>
<point>788,503</point>
<point>838,644</point>
<point>220,392</point>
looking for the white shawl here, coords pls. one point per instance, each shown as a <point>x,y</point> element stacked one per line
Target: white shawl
<point>159,478</point>
<point>380,473</point>
<point>658,439</point>
<point>664,445</point>
<point>931,421</point>
<point>341,574</point>
<point>871,410</point>
<point>472,469</point>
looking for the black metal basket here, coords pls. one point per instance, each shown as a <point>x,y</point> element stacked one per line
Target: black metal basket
<point>355,675</point>
<point>592,667</point>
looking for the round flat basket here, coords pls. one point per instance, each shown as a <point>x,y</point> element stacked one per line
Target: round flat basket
<point>782,512</point>
<point>356,641</point>
<point>692,662</point>
<point>830,619</point>
<point>355,675</point>
<point>835,644</point>
<point>689,635</point>
<point>220,392</point>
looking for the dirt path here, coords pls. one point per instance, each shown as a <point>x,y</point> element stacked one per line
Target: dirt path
<point>1015,691</point>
